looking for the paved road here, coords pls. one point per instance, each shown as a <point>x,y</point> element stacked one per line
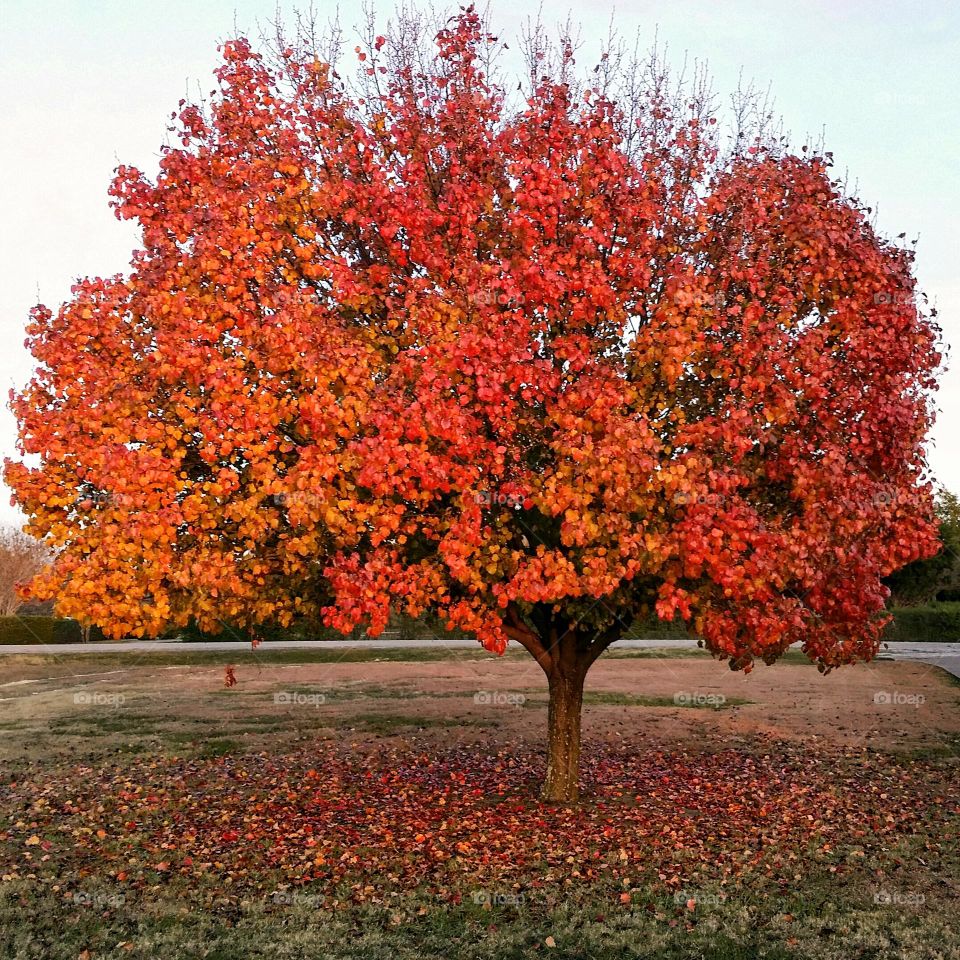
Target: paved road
<point>946,655</point>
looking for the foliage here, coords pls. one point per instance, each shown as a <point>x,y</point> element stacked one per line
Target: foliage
<point>393,827</point>
<point>453,822</point>
<point>536,366</point>
<point>923,580</point>
<point>937,622</point>
<point>417,349</point>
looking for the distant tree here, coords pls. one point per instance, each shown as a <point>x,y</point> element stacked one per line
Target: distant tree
<point>925,579</point>
<point>22,557</point>
<point>537,364</point>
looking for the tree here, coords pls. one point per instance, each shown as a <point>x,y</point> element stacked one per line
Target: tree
<point>21,558</point>
<point>536,363</point>
<point>923,580</point>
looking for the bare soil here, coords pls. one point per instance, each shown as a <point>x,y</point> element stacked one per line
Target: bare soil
<point>61,709</point>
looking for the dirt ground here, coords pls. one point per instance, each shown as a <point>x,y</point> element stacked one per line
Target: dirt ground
<point>66,709</point>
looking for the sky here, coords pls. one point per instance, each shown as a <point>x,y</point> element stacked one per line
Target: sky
<point>89,84</point>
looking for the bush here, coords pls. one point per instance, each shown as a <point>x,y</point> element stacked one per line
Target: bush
<point>39,630</point>
<point>191,633</point>
<point>399,626</point>
<point>653,628</point>
<point>67,631</point>
<point>935,623</point>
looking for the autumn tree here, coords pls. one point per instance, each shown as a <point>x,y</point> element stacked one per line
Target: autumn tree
<point>536,362</point>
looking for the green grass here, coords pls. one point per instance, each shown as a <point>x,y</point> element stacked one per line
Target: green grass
<point>387,723</point>
<point>833,917</point>
<point>97,724</point>
<point>174,923</point>
<point>219,747</point>
<point>187,657</point>
<point>610,698</point>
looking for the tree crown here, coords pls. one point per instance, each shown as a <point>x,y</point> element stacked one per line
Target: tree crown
<point>400,341</point>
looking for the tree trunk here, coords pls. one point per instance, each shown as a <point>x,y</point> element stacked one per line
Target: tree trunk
<point>563,734</point>
<point>565,658</point>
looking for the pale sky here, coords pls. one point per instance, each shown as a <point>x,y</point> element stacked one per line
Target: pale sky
<point>91,83</point>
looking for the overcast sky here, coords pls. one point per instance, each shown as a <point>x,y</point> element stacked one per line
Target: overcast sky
<point>91,83</point>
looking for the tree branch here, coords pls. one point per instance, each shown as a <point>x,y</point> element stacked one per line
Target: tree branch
<point>517,630</point>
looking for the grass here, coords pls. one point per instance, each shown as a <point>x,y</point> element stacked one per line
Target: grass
<point>387,723</point>
<point>612,698</point>
<point>183,655</point>
<point>485,925</point>
<point>219,747</point>
<point>654,653</point>
<point>181,734</point>
<point>820,916</point>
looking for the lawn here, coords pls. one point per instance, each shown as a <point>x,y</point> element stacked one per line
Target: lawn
<point>358,804</point>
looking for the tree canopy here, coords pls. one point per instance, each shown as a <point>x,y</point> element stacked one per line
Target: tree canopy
<point>536,363</point>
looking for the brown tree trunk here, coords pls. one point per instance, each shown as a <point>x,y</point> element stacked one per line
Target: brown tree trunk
<point>563,735</point>
<point>565,660</point>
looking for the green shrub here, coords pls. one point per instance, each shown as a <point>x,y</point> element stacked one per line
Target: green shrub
<point>267,632</point>
<point>67,631</point>
<point>935,623</point>
<point>26,629</point>
<point>39,630</point>
<point>653,628</point>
